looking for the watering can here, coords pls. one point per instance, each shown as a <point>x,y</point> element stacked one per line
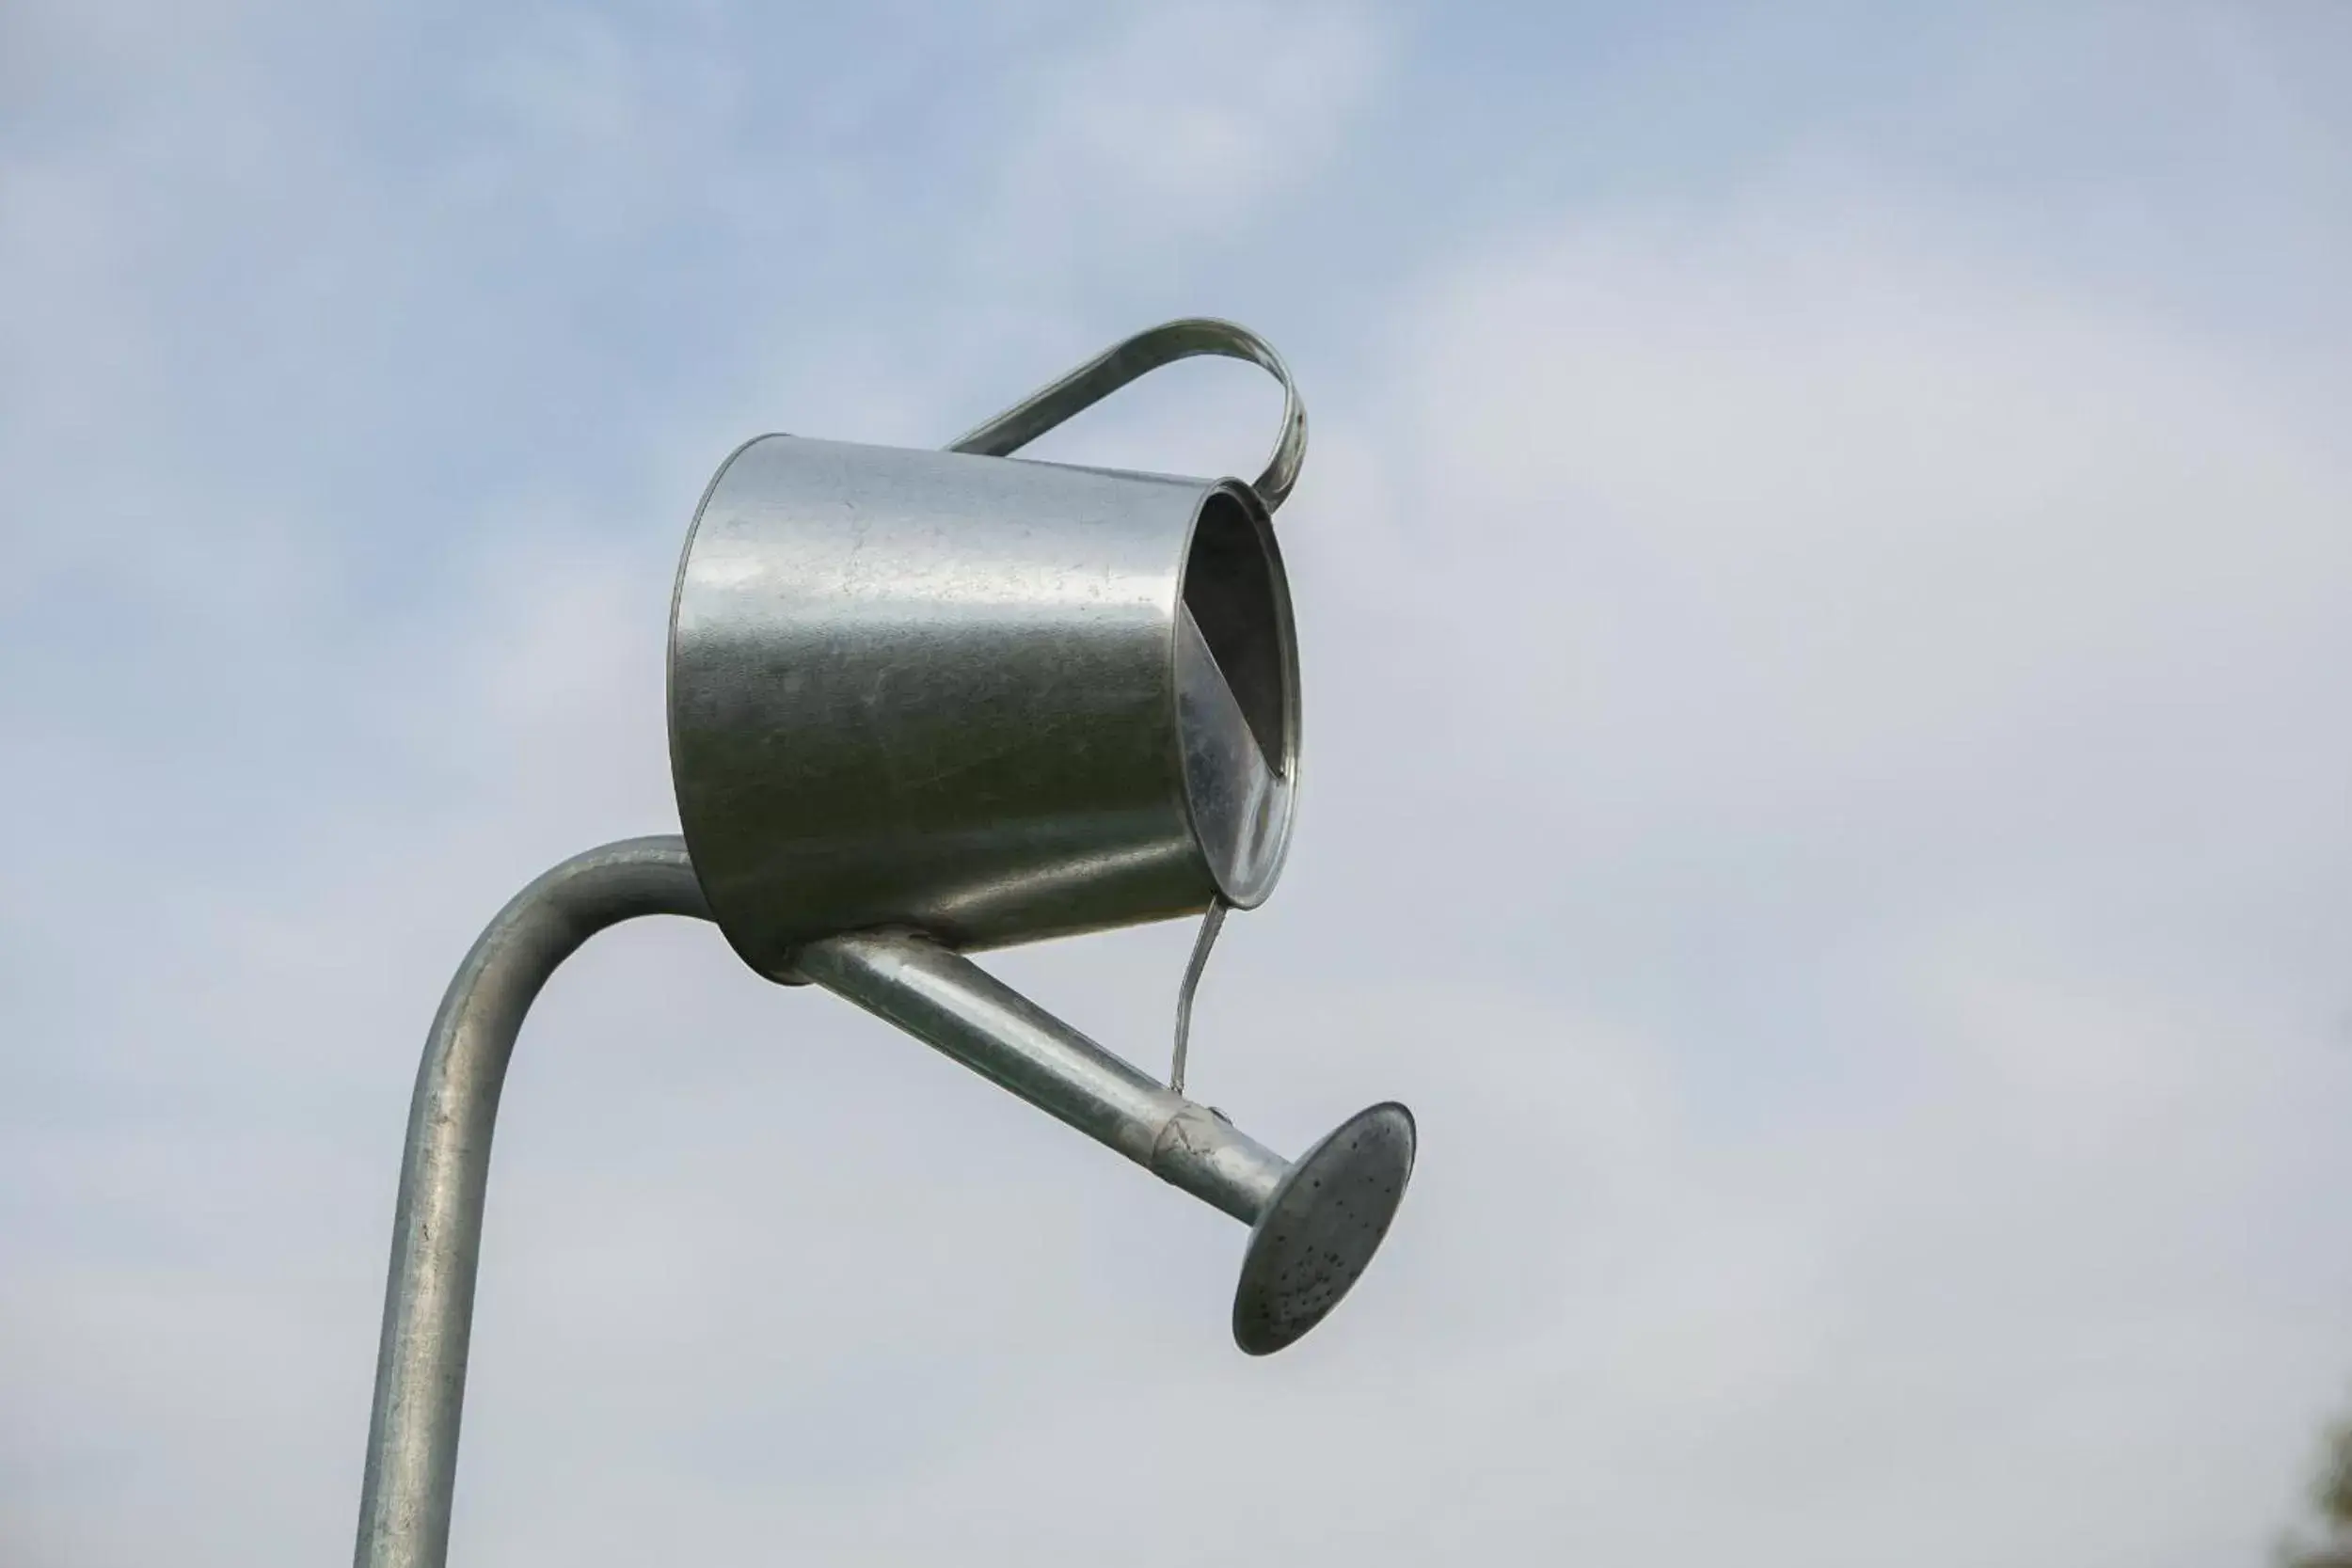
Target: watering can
<point>924,703</point>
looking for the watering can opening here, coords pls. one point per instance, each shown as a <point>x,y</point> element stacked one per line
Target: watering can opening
<point>1232,592</point>
<point>1237,697</point>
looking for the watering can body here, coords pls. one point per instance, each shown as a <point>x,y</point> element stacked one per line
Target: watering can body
<point>989,698</point>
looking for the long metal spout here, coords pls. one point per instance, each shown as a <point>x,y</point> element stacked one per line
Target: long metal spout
<point>945,1000</point>
<point>1314,1223</point>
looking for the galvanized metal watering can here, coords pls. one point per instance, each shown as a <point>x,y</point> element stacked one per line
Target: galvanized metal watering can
<point>923,704</point>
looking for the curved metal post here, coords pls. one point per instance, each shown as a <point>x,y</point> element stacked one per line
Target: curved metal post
<point>437,1230</point>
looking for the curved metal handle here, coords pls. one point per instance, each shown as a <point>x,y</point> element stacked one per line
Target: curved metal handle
<point>1147,351</point>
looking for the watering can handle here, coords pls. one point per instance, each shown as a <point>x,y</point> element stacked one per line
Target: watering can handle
<point>1147,351</point>
<point>1089,385</point>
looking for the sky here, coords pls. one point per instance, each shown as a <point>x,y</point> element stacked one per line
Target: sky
<point>1823,577</point>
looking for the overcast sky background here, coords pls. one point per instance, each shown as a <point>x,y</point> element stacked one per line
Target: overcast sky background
<point>1825,567</point>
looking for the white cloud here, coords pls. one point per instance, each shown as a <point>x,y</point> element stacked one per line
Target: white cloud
<point>1182,119</point>
<point>1823,794</point>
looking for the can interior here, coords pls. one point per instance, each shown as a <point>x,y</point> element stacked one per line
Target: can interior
<point>1237,692</point>
<point>1236,601</point>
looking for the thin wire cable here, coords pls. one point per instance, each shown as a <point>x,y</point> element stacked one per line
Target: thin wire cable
<point>1211,923</point>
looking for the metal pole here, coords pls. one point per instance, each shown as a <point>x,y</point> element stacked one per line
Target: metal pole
<point>437,1229</point>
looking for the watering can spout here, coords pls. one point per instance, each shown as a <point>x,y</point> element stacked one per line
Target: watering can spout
<point>1314,1223</point>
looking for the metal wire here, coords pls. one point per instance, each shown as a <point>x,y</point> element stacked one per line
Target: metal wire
<point>1211,923</point>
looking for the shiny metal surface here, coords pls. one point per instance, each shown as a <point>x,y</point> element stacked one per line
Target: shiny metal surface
<point>444,1174</point>
<point>948,1001</point>
<point>989,698</point>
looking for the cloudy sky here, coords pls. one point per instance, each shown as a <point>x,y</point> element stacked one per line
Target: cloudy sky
<point>1826,576</point>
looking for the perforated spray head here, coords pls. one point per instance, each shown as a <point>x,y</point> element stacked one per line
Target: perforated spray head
<point>1321,1227</point>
